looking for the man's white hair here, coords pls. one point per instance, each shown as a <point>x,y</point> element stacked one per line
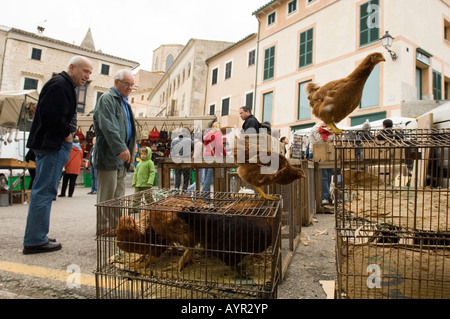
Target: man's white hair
<point>120,75</point>
<point>76,61</point>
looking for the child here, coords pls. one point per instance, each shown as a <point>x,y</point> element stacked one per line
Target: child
<point>144,175</point>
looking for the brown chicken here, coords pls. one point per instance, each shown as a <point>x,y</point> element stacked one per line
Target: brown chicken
<point>157,227</point>
<point>253,166</point>
<point>336,100</point>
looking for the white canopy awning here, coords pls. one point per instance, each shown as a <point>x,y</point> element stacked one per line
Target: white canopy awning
<point>11,103</point>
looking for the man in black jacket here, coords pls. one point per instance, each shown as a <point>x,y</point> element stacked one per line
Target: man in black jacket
<point>251,124</point>
<point>51,139</point>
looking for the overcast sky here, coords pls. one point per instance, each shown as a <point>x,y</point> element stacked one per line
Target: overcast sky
<point>132,29</point>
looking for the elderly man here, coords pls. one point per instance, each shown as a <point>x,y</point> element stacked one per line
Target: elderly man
<point>115,142</point>
<point>51,139</point>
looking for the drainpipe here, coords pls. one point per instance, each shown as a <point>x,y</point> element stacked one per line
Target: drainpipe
<point>256,66</point>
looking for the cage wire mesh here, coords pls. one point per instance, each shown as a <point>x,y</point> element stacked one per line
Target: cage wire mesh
<point>166,244</point>
<point>392,214</point>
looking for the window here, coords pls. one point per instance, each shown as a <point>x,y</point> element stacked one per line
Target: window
<point>36,54</point>
<point>292,6</point>
<point>419,85</point>
<point>269,63</point>
<point>369,23</point>
<point>249,100</point>
<point>306,48</point>
<point>361,119</point>
<point>447,30</point>
<point>215,73</point>
<point>371,92</point>
<point>226,106</point>
<point>105,69</point>
<point>271,18</point>
<point>30,84</point>
<point>267,107</point>
<point>212,109</point>
<point>81,98</point>
<point>251,57</point>
<point>437,85</point>
<point>99,95</point>
<point>304,111</point>
<point>446,85</point>
<point>169,62</point>
<point>228,69</point>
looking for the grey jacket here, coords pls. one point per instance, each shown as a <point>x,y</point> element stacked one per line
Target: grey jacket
<point>110,125</point>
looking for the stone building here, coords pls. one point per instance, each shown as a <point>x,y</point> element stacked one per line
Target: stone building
<point>28,60</point>
<point>182,90</point>
<point>231,81</point>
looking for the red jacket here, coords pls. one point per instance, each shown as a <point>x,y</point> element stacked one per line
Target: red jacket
<point>214,144</point>
<point>73,165</point>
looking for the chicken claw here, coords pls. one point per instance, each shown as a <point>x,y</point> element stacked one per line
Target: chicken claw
<point>334,128</point>
<point>263,195</point>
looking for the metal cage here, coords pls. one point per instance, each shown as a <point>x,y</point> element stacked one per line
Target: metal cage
<point>165,244</point>
<point>392,214</point>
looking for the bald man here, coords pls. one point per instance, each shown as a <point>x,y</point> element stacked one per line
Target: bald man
<point>51,139</point>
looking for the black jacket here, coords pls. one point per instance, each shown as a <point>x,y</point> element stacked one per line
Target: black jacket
<point>55,111</point>
<point>251,122</point>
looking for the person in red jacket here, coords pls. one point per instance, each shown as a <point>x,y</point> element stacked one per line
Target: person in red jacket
<point>72,168</point>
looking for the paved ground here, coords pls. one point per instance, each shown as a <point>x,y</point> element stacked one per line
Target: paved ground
<point>73,223</point>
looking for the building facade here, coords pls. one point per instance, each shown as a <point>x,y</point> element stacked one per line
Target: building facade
<point>164,56</point>
<point>145,81</point>
<point>182,90</point>
<point>28,61</point>
<point>231,81</point>
<point>303,41</point>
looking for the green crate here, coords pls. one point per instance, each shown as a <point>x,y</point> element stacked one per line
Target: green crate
<point>87,180</point>
<point>20,186</point>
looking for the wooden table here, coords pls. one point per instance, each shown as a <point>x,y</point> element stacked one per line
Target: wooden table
<point>12,163</point>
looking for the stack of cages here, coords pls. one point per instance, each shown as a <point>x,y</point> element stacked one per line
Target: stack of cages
<point>166,244</point>
<point>392,214</point>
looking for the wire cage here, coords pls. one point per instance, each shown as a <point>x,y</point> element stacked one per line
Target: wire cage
<point>392,214</point>
<point>167,244</point>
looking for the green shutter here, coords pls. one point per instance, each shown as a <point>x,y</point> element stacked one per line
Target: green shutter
<point>371,92</point>
<point>437,85</point>
<point>304,111</point>
<point>306,48</point>
<point>269,63</point>
<point>369,31</point>
<point>267,107</point>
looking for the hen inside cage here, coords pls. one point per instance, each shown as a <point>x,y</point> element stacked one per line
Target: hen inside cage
<point>222,245</point>
<point>392,214</point>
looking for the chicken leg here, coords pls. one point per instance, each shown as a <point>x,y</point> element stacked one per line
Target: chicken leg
<point>263,195</point>
<point>334,128</point>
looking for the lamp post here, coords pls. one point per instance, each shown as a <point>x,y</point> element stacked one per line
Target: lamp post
<point>387,40</point>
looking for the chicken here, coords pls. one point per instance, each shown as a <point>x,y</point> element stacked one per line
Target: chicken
<point>138,237</point>
<point>255,168</point>
<point>336,100</point>
<point>157,227</point>
<point>230,237</point>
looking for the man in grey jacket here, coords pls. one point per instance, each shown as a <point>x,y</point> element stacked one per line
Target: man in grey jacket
<point>115,143</point>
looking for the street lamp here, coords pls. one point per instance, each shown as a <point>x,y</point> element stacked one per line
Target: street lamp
<point>387,40</point>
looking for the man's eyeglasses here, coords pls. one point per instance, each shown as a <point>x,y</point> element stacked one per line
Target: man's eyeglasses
<point>128,85</point>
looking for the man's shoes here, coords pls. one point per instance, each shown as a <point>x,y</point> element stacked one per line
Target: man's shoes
<point>92,193</point>
<point>47,248</point>
<point>61,195</point>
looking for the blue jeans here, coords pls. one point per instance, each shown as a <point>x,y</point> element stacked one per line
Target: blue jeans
<point>93,178</point>
<point>209,175</point>
<point>49,166</point>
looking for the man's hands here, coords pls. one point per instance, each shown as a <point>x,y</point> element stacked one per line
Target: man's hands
<point>125,156</point>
